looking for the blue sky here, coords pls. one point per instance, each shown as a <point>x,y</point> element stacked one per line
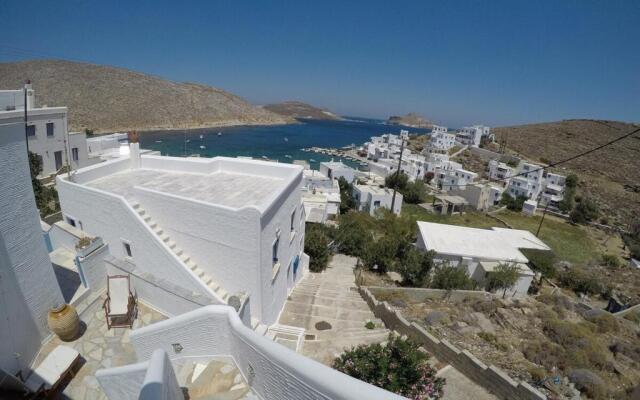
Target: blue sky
<point>456,62</point>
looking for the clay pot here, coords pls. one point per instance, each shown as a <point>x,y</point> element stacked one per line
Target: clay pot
<point>64,322</point>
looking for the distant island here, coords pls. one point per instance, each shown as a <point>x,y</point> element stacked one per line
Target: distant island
<point>297,109</point>
<point>109,99</point>
<point>412,120</point>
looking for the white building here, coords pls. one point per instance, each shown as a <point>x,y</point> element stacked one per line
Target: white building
<point>319,207</point>
<point>336,170</point>
<point>441,141</point>
<point>369,198</point>
<point>315,180</point>
<point>28,286</point>
<point>553,191</point>
<point>479,251</point>
<point>499,171</point>
<point>438,129</point>
<point>527,182</point>
<point>216,226</point>
<point>472,135</point>
<point>114,145</point>
<point>46,132</point>
<point>454,179</point>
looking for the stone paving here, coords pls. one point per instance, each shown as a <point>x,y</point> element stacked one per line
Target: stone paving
<point>332,312</point>
<point>99,348</point>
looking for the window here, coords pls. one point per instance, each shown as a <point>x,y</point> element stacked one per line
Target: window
<point>74,154</point>
<point>49,128</point>
<point>127,249</point>
<point>71,221</point>
<point>376,203</point>
<point>293,218</point>
<point>274,251</point>
<point>31,130</point>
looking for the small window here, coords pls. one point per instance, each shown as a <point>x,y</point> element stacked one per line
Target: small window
<point>293,219</point>
<point>31,130</point>
<point>127,249</point>
<point>274,251</point>
<point>376,203</point>
<point>49,128</point>
<point>74,154</point>
<point>71,221</point>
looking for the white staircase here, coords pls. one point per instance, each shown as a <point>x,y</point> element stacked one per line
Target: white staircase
<point>184,258</point>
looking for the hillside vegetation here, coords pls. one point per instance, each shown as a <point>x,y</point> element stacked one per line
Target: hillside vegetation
<point>611,175</point>
<point>297,109</point>
<point>106,99</point>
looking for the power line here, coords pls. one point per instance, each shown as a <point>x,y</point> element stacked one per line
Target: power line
<point>554,164</point>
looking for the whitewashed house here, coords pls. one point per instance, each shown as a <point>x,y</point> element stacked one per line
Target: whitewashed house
<point>479,251</point>
<point>553,190</point>
<point>370,198</point>
<point>472,135</point>
<point>455,179</point>
<point>441,141</point>
<point>528,181</point>
<point>46,132</point>
<point>499,171</point>
<point>336,170</point>
<point>28,286</point>
<point>213,226</point>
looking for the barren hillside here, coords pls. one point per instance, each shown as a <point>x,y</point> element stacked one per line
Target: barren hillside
<point>105,98</point>
<point>412,119</point>
<point>296,109</point>
<point>610,175</point>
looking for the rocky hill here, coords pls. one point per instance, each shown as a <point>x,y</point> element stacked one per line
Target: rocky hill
<point>297,109</point>
<point>412,120</point>
<point>610,175</point>
<point>107,99</point>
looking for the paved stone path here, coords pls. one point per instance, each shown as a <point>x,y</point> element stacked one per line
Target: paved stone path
<point>331,297</point>
<point>100,348</point>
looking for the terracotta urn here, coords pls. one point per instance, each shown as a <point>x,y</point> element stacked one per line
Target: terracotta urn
<point>64,321</point>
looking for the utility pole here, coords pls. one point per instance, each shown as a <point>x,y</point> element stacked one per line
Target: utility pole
<point>395,184</point>
<point>26,126</point>
<point>544,212</point>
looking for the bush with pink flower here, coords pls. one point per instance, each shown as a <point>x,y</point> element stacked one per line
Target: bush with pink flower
<point>398,366</point>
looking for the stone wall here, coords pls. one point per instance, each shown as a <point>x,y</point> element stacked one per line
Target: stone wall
<point>419,295</point>
<point>490,377</point>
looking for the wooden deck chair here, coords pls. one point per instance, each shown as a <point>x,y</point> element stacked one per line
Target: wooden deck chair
<point>120,306</point>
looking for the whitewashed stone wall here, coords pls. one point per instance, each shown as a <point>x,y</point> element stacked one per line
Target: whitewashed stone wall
<point>28,286</point>
<point>273,371</point>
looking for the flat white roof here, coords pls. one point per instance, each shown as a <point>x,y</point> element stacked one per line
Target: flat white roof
<point>374,189</point>
<point>223,181</point>
<point>32,112</point>
<point>495,244</point>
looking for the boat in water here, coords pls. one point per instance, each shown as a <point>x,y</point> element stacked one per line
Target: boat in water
<point>219,133</point>
<point>202,147</point>
<point>287,156</point>
<point>286,139</point>
<point>312,160</point>
<point>158,141</point>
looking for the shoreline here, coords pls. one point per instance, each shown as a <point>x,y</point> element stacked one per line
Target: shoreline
<point>221,124</point>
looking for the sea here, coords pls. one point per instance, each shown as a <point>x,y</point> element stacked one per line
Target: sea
<point>283,143</point>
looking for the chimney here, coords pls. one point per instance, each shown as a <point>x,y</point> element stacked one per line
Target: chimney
<point>134,149</point>
<point>31,99</point>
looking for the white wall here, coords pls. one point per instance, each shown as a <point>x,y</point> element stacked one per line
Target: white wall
<point>28,286</point>
<point>272,370</point>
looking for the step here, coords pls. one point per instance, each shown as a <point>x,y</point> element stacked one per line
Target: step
<point>185,259</point>
<point>141,212</point>
<point>135,205</point>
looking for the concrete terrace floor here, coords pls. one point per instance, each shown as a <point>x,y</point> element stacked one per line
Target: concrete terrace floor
<point>99,348</point>
<point>224,188</point>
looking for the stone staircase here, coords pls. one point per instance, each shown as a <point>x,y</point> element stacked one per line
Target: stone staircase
<point>184,258</point>
<point>218,379</point>
<point>329,308</point>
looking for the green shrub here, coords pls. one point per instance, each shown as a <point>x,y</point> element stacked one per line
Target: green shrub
<point>611,260</point>
<point>580,281</point>
<point>604,322</point>
<point>347,202</point>
<point>542,261</point>
<point>370,325</point>
<point>415,266</point>
<point>316,245</point>
<point>513,204</point>
<point>450,278</point>
<point>503,277</point>
<point>399,181</point>
<point>399,367</point>
<point>538,374</point>
<point>585,211</point>
<point>414,192</point>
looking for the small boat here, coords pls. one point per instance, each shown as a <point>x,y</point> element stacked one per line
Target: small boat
<point>202,147</point>
<point>265,157</point>
<point>158,141</point>
<point>219,133</point>
<point>312,160</point>
<point>286,139</point>
<point>201,137</point>
<point>187,140</point>
<point>287,156</point>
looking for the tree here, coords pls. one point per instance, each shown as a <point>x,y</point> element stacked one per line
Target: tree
<point>428,177</point>
<point>397,180</point>
<point>380,255</point>
<point>503,277</point>
<point>354,230</point>
<point>316,245</point>
<point>346,196</point>
<point>571,181</point>
<point>513,204</point>
<point>586,210</point>
<point>414,192</point>
<point>44,195</point>
<point>415,266</point>
<point>399,367</point>
<point>542,261</point>
<point>450,278</point>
